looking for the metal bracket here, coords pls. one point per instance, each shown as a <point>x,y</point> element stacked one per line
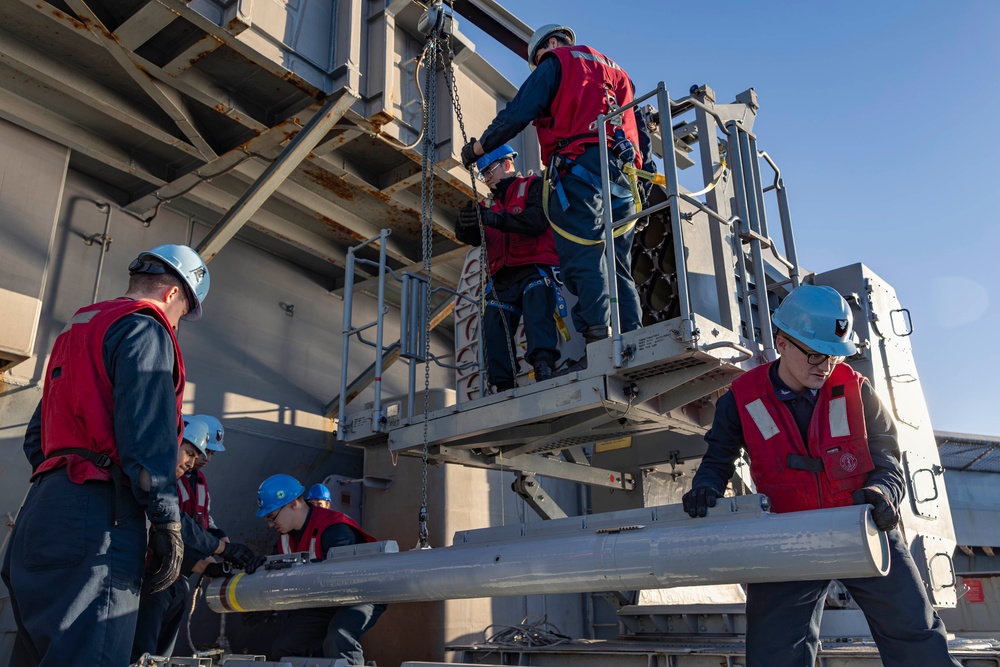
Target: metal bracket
<point>526,486</point>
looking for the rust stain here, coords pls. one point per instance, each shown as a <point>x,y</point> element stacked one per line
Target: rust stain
<point>379,120</point>
<point>338,227</point>
<point>309,89</point>
<point>328,181</point>
<point>66,17</point>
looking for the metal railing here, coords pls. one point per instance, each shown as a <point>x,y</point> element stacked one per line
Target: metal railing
<point>749,222</point>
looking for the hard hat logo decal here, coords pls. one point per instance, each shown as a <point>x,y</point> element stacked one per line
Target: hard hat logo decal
<point>279,495</point>
<point>199,273</point>
<point>841,329</point>
<point>849,462</point>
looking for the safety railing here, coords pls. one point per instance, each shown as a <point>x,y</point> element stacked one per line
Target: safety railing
<point>415,315</point>
<point>749,221</point>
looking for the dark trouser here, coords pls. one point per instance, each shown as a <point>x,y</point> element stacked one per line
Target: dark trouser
<point>582,267</point>
<point>783,618</point>
<point>159,620</point>
<point>73,575</point>
<point>329,632</point>
<point>536,305</point>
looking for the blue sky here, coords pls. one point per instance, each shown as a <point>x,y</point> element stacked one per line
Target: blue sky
<point>881,116</point>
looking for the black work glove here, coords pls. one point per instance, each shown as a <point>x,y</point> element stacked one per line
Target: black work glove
<point>255,563</point>
<point>254,618</point>
<point>168,552</point>
<point>884,513</point>
<point>467,217</point>
<point>239,555</point>
<point>469,156</point>
<point>491,218</point>
<point>699,499</point>
<point>217,570</point>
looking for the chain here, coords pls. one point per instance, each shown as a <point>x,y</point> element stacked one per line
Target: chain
<point>428,121</point>
<point>485,278</point>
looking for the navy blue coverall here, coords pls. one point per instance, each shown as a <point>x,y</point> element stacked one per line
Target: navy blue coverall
<point>522,291</point>
<point>160,614</point>
<point>330,632</point>
<point>582,267</point>
<point>74,576</point>
<point>783,618</point>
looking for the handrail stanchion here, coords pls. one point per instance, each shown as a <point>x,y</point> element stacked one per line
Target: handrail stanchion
<point>609,240</point>
<point>673,191</point>
<point>378,421</point>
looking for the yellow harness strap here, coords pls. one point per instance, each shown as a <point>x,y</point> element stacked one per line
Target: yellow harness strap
<point>573,237</point>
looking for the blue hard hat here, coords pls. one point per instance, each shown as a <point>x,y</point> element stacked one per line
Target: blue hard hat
<point>819,317</point>
<point>196,432</point>
<point>496,154</point>
<point>275,492</point>
<point>187,264</point>
<point>318,492</point>
<point>215,433</point>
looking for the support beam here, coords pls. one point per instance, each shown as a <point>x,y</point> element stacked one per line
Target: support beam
<point>89,92</point>
<point>166,98</point>
<point>536,497</point>
<point>654,547</point>
<point>290,158</point>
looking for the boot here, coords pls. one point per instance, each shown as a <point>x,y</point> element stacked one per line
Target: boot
<point>596,333</point>
<point>543,371</point>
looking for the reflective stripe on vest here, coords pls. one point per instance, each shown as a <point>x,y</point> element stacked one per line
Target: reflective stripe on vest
<point>823,471</point>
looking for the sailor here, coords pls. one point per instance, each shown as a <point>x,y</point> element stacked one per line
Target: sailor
<point>102,445</point>
<point>569,86</point>
<point>161,613</point>
<point>331,632</point>
<point>522,259</point>
<point>318,495</point>
<point>193,488</point>
<point>818,436</point>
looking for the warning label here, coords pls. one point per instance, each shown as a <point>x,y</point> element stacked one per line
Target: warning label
<point>975,594</point>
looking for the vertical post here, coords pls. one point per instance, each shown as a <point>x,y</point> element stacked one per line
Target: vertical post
<point>378,423</point>
<point>786,230</point>
<point>739,190</point>
<point>751,188</point>
<point>673,190</point>
<point>718,199</point>
<point>609,241</point>
<point>344,360</point>
<point>758,191</point>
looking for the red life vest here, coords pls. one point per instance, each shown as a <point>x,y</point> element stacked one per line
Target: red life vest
<point>78,397</point>
<point>512,249</point>
<point>836,452</point>
<point>311,537</point>
<point>581,99</point>
<point>194,498</point>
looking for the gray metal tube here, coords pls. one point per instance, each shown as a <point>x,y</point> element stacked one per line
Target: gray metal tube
<point>655,547</point>
<point>106,208</point>
<point>740,195</point>
<point>377,416</point>
<point>786,231</point>
<point>609,241</point>
<point>346,333</point>
<point>758,191</point>
<point>673,190</point>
